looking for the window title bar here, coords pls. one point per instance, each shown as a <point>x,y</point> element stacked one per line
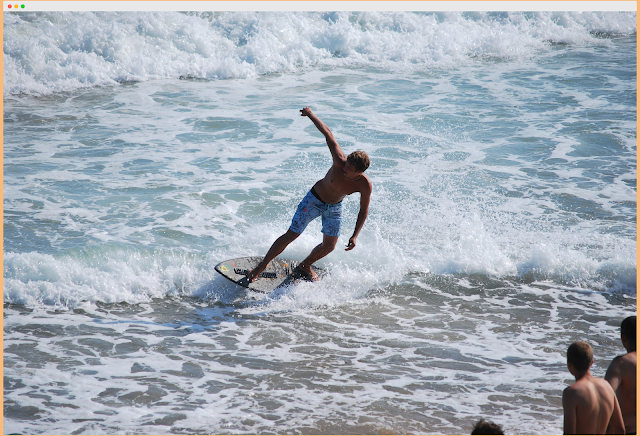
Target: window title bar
<point>292,5</point>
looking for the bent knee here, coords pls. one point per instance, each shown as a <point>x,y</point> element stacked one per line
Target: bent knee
<point>290,236</point>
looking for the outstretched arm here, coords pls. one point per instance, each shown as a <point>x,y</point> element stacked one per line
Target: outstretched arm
<point>336,152</point>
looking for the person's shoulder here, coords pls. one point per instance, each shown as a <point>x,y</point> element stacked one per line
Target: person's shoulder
<point>625,363</point>
<point>584,386</point>
<point>630,357</point>
<point>615,371</point>
<point>601,382</point>
<point>616,361</point>
<point>571,396</point>
<point>604,387</point>
<point>572,391</point>
<point>366,181</point>
<point>622,361</point>
<point>365,187</point>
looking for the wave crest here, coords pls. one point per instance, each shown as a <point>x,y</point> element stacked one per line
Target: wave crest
<point>56,51</point>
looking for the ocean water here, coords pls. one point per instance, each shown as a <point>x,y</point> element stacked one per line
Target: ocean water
<point>141,149</point>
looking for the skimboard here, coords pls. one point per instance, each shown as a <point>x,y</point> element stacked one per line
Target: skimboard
<point>280,272</point>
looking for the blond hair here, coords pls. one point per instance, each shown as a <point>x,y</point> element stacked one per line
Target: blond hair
<point>360,160</point>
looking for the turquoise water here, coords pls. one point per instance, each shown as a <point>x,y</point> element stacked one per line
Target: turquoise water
<point>502,224</point>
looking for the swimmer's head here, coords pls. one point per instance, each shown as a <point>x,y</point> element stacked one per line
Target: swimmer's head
<point>486,427</point>
<point>580,356</point>
<point>628,333</point>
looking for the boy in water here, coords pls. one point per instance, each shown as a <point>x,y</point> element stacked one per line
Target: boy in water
<point>621,375</point>
<point>590,404</point>
<point>345,177</point>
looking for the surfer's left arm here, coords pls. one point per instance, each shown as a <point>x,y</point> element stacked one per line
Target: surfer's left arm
<point>365,197</point>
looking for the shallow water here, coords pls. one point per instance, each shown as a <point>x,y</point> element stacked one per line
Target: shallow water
<point>502,225</point>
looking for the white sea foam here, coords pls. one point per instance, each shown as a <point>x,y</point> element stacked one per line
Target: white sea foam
<point>502,224</point>
<point>139,275</point>
<point>55,52</point>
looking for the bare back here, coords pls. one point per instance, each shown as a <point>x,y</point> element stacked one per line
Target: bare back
<point>621,375</point>
<point>590,405</point>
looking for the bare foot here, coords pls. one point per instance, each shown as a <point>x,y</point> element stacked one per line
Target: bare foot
<point>309,272</point>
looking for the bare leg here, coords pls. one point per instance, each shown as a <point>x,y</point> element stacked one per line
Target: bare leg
<point>276,248</point>
<point>320,251</point>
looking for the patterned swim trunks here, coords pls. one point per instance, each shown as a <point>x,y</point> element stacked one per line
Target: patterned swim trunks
<point>310,208</point>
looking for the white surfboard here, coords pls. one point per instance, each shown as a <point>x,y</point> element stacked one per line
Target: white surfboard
<point>280,272</point>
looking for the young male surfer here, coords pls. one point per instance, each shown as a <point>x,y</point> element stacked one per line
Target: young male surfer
<point>345,177</point>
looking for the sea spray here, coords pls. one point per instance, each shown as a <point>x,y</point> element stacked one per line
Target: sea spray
<point>502,224</point>
<point>54,52</point>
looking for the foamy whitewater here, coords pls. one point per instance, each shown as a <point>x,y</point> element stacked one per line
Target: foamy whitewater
<point>141,149</point>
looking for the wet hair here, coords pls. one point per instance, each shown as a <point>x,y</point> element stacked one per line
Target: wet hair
<point>628,329</point>
<point>360,160</point>
<point>580,355</point>
<point>486,427</point>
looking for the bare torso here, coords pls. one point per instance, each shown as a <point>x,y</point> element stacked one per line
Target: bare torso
<point>622,376</point>
<point>335,185</point>
<point>589,406</point>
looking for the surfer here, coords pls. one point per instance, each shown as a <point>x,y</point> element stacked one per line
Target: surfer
<point>590,404</point>
<point>621,375</point>
<point>345,177</point>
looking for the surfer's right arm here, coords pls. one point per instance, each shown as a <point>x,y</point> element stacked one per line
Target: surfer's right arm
<point>336,152</point>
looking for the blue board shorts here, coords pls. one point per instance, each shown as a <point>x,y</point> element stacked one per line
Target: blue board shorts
<point>310,208</point>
